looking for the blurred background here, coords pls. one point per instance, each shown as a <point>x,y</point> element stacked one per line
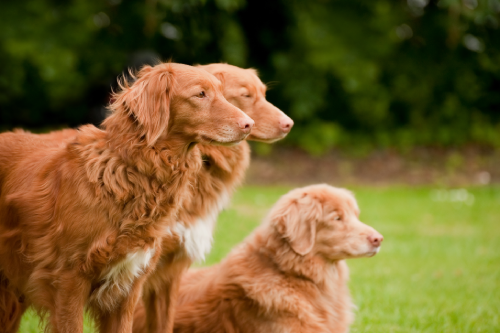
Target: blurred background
<point>397,99</point>
<point>366,74</point>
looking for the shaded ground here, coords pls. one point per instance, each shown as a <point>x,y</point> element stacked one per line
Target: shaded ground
<point>467,166</point>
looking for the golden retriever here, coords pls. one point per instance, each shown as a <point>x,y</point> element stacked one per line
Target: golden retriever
<point>81,222</point>
<point>223,169</point>
<point>288,276</point>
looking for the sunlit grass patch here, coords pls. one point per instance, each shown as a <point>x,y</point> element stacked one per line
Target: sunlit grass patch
<point>438,270</point>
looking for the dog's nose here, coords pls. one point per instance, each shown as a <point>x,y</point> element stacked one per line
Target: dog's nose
<point>376,239</point>
<point>286,124</point>
<point>246,124</point>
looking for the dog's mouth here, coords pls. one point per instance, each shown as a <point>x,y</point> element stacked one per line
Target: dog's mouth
<point>263,139</point>
<point>207,140</point>
<point>374,252</point>
<point>360,253</point>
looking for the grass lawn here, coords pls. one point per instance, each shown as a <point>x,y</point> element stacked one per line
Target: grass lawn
<point>439,267</point>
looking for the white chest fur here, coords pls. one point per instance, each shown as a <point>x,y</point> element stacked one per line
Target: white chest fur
<point>119,279</point>
<point>197,238</point>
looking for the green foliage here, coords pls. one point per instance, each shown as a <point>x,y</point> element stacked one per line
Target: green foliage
<point>396,73</point>
<point>317,136</point>
<point>350,72</point>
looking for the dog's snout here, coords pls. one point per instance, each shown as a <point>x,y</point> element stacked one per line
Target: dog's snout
<point>246,124</point>
<point>375,239</point>
<point>286,124</point>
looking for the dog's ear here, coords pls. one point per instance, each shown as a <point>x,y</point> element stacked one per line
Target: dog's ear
<point>149,102</point>
<point>220,77</point>
<point>296,221</point>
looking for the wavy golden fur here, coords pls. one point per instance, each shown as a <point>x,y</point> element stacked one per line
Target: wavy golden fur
<point>223,169</point>
<point>82,221</point>
<point>288,276</point>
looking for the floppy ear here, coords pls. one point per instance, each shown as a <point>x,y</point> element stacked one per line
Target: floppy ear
<point>149,102</point>
<point>296,221</point>
<point>220,77</point>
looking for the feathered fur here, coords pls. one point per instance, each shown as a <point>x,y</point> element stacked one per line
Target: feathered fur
<point>288,276</point>
<point>223,169</point>
<point>82,221</point>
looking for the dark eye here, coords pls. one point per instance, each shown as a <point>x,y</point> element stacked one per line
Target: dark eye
<point>337,218</point>
<point>202,95</point>
<point>246,95</point>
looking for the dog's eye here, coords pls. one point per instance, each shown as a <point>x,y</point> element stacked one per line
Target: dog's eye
<point>206,161</point>
<point>202,95</point>
<point>337,218</point>
<point>246,95</point>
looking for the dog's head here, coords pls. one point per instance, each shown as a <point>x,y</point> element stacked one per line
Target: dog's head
<point>244,89</point>
<point>322,220</point>
<point>181,100</point>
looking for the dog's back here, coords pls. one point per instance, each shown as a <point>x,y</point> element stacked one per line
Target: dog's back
<point>20,146</point>
<point>12,150</point>
<point>22,156</point>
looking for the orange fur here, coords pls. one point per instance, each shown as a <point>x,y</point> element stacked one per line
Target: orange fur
<point>82,221</point>
<point>223,169</point>
<point>288,276</point>
<point>245,90</point>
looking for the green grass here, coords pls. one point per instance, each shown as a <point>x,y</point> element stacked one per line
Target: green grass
<point>439,268</point>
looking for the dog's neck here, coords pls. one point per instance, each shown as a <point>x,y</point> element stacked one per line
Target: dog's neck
<point>121,165</point>
<point>222,171</point>
<point>308,267</point>
<point>227,164</point>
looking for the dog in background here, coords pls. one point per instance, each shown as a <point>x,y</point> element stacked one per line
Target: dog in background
<point>289,276</point>
<point>82,221</point>
<point>223,169</point>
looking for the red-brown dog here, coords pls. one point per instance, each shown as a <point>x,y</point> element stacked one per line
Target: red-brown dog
<point>222,171</point>
<point>288,276</point>
<point>82,221</point>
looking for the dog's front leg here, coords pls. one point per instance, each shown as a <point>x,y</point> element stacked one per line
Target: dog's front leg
<point>70,298</point>
<point>160,306</point>
<point>121,320</point>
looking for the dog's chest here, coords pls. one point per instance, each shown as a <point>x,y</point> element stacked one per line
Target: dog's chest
<point>118,280</point>
<point>131,266</point>
<point>196,239</point>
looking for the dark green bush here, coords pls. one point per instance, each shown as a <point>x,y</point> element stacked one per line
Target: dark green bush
<point>375,73</point>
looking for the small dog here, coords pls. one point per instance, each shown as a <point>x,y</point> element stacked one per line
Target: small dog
<point>288,276</point>
<point>82,221</point>
<point>223,169</point>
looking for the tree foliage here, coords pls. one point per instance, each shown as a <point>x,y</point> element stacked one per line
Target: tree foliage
<point>349,72</point>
